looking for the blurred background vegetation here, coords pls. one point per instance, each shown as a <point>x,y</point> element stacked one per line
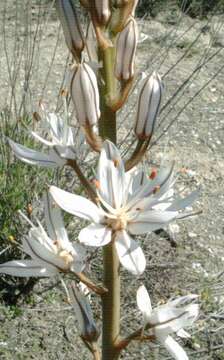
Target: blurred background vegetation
<point>194,8</point>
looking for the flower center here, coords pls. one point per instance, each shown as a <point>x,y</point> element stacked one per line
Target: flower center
<point>66,257</point>
<point>120,223</point>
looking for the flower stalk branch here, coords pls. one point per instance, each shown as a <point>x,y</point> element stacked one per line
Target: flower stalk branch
<point>138,154</point>
<point>86,184</point>
<point>99,290</point>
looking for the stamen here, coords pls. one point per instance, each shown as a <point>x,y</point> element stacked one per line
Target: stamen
<point>29,209</point>
<point>96,183</point>
<point>153,174</point>
<point>116,162</point>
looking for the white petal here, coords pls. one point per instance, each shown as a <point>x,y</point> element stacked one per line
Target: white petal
<point>30,156</point>
<point>183,334</point>
<point>171,320</point>
<point>162,181</point>
<point>76,205</point>
<point>70,137</point>
<point>150,221</point>
<point>54,222</point>
<point>139,180</point>
<point>144,302</point>
<point>183,300</point>
<point>111,175</point>
<point>181,204</point>
<point>27,268</point>
<point>130,254</point>
<point>41,253</point>
<point>77,266</point>
<point>174,348</point>
<point>95,235</point>
<point>65,152</point>
<point>42,140</point>
<point>55,154</point>
<point>56,126</point>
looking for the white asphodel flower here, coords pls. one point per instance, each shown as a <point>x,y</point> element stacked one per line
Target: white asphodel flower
<point>127,205</point>
<point>60,147</point>
<point>167,319</point>
<point>51,253</point>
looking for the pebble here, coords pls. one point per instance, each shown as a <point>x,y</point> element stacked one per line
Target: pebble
<point>192,234</point>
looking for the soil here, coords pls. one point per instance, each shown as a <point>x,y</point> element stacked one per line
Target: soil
<point>42,325</point>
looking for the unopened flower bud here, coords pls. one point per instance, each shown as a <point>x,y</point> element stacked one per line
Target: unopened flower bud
<point>125,52</point>
<point>87,326</point>
<point>103,11</point>
<point>85,95</point>
<point>148,106</point>
<point>71,26</point>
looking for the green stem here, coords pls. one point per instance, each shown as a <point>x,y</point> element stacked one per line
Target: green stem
<point>137,154</point>
<point>111,303</point>
<point>107,123</point>
<point>111,276</point>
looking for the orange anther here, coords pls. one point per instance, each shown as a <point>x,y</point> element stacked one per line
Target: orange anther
<point>153,174</point>
<point>29,209</point>
<point>96,183</point>
<point>116,162</point>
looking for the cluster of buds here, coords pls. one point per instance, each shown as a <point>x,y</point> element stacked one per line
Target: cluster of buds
<point>84,81</point>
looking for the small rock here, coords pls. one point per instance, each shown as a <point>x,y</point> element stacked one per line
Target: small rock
<point>192,234</point>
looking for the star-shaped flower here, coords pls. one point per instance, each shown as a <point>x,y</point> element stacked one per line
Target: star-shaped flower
<point>60,148</point>
<point>169,318</point>
<point>51,253</point>
<point>128,204</point>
